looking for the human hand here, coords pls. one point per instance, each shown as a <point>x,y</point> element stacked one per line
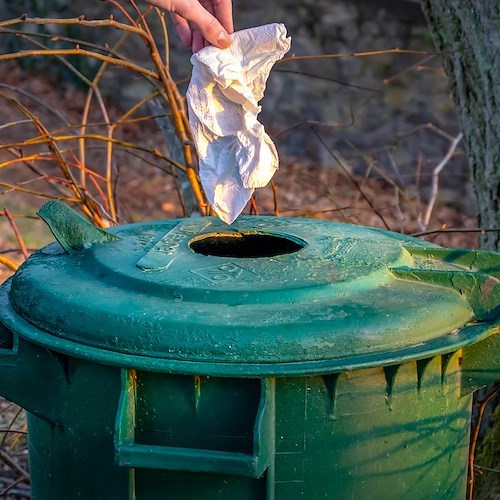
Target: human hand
<point>200,22</point>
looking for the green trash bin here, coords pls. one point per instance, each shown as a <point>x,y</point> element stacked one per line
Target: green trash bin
<point>276,358</point>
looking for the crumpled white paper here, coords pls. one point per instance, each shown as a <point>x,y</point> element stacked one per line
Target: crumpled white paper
<point>236,155</point>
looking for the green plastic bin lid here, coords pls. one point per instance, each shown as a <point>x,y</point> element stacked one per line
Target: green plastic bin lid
<point>264,296</point>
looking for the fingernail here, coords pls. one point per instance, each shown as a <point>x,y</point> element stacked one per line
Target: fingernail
<point>223,40</point>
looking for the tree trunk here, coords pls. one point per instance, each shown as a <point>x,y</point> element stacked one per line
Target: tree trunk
<point>467,33</point>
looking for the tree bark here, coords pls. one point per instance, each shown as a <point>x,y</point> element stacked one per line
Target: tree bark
<point>467,33</point>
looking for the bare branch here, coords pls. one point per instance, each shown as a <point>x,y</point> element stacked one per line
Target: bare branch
<point>458,230</point>
<point>19,238</point>
<point>74,20</point>
<point>8,263</point>
<point>356,54</point>
<point>351,178</point>
<point>475,435</point>
<point>13,124</point>
<point>435,178</point>
<point>79,52</point>
<point>12,463</point>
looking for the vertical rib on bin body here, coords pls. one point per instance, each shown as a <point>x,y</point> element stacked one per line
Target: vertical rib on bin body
<point>351,451</point>
<point>274,359</point>
<point>342,441</point>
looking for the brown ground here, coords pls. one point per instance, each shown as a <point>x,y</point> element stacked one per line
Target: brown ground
<point>145,192</point>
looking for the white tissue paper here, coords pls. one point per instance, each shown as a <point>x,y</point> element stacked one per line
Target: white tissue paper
<point>236,155</point>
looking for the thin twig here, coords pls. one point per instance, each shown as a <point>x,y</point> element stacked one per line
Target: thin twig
<point>19,216</point>
<point>394,166</point>
<point>326,78</point>
<point>16,438</point>
<point>9,406</point>
<point>482,467</point>
<point>351,178</point>
<point>179,118</point>
<point>301,212</point>
<point>482,405</point>
<point>120,7</point>
<point>20,240</point>
<point>174,150</point>
<point>136,155</point>
<point>70,66</point>
<point>355,54</point>
<point>418,175</point>
<point>79,52</point>
<point>142,15</point>
<point>435,178</point>
<point>425,126</point>
<point>457,230</point>
<point>74,20</point>
<point>399,212</point>
<point>12,463</point>
<point>275,198</point>
<point>373,165</point>
<point>16,250</point>
<point>96,137</point>
<point>13,124</point>
<point>34,98</point>
<point>11,424</point>
<point>8,263</point>
<point>135,107</point>
<point>74,41</point>
<point>166,42</point>
<point>15,187</point>
<point>253,205</point>
<point>11,486</point>
<point>34,168</point>
<point>314,122</point>
<point>51,143</point>
<point>170,87</point>
<point>408,69</point>
<point>94,90</point>
<point>87,207</point>
<point>22,159</point>
<point>121,121</point>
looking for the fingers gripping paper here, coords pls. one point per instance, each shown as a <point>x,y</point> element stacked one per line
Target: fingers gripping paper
<point>236,155</point>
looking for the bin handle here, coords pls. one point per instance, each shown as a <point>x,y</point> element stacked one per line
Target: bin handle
<point>131,454</point>
<point>23,363</point>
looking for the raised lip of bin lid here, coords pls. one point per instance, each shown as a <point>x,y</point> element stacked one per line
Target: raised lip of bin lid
<point>147,299</point>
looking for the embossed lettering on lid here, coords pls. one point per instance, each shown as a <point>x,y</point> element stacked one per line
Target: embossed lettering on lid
<point>165,250</point>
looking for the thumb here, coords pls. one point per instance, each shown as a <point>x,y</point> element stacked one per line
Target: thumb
<point>211,29</point>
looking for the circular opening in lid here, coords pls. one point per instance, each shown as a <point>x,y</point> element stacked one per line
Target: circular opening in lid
<point>244,245</point>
